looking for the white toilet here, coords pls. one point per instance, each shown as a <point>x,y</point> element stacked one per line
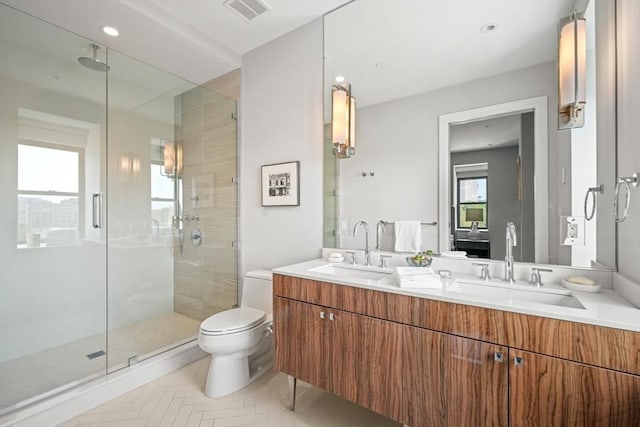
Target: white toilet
<point>240,340</point>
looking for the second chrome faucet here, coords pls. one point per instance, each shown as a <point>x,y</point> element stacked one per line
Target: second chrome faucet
<point>511,241</point>
<point>367,255</point>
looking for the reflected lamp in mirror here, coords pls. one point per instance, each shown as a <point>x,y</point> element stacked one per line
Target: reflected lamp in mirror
<point>572,86</point>
<point>129,168</point>
<point>474,215</point>
<point>172,159</point>
<point>343,118</point>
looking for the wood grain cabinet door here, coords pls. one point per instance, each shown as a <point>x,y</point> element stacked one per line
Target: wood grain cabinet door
<point>453,381</point>
<point>366,361</point>
<point>300,332</point>
<point>547,391</point>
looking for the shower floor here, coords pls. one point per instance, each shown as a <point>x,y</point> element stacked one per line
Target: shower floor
<point>58,367</point>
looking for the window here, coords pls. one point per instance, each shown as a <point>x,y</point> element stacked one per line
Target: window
<point>50,205</point>
<point>162,200</point>
<point>472,202</point>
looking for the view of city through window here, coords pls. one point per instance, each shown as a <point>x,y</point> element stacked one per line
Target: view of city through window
<point>48,195</point>
<point>162,200</point>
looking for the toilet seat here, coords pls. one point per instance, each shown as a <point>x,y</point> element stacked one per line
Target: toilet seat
<point>232,321</point>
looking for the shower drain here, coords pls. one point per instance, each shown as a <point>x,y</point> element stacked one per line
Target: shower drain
<point>96,354</point>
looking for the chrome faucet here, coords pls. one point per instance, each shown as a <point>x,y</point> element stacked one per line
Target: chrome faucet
<point>379,230</point>
<point>367,255</point>
<point>511,241</point>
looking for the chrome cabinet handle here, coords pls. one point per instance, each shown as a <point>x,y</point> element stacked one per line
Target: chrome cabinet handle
<point>322,315</point>
<point>628,181</point>
<point>518,361</point>
<point>498,357</point>
<point>97,210</point>
<point>332,316</point>
<point>592,190</point>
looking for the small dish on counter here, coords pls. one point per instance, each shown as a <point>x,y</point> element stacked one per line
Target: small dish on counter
<point>421,259</point>
<point>581,287</point>
<point>335,257</point>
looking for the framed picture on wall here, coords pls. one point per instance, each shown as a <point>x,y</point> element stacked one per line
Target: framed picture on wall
<point>281,184</point>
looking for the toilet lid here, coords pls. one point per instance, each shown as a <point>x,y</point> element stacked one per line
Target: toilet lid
<point>234,320</point>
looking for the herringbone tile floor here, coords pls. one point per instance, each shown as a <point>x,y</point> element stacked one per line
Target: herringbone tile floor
<point>177,399</point>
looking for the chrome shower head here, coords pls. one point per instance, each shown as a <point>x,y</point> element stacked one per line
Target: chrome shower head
<point>94,63</point>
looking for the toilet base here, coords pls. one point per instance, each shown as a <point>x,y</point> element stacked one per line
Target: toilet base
<point>232,372</point>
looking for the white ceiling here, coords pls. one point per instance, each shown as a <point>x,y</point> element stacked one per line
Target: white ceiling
<point>397,48</point>
<point>193,39</point>
<point>493,133</point>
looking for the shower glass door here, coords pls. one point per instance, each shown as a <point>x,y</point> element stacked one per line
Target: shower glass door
<point>172,210</point>
<point>52,258</point>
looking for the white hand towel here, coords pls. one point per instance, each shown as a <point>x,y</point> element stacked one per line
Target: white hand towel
<point>454,254</point>
<point>408,236</point>
<point>405,271</point>
<point>417,277</point>
<point>426,281</point>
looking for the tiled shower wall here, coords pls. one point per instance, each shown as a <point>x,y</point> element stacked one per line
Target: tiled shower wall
<point>205,276</point>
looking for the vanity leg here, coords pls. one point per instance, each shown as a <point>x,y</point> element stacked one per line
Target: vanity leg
<point>293,381</point>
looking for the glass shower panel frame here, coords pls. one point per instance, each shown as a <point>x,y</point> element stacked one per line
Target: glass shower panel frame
<point>53,287</point>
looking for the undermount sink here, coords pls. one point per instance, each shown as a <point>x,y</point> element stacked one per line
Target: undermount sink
<point>353,272</point>
<point>514,294</point>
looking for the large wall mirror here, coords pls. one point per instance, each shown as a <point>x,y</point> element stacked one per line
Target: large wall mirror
<point>457,127</point>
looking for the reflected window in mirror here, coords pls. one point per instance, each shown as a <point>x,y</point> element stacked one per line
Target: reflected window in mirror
<point>472,202</point>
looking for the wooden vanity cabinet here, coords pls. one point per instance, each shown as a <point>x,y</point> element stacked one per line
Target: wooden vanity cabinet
<point>548,391</point>
<point>453,381</point>
<point>300,341</point>
<point>433,363</point>
<point>353,356</point>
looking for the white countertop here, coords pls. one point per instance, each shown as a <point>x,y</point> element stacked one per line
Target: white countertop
<point>604,308</point>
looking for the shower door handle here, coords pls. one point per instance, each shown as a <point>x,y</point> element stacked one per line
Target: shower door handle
<point>97,210</point>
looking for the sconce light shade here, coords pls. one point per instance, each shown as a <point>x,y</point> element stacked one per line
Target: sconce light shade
<point>572,84</point>
<point>343,121</point>
<point>172,159</point>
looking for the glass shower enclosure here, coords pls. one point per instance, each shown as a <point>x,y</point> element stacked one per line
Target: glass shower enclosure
<point>118,210</point>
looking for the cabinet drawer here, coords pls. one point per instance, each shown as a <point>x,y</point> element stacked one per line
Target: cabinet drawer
<point>595,345</point>
<point>382,305</point>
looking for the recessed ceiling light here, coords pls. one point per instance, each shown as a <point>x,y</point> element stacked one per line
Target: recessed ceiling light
<point>113,32</point>
<point>339,79</point>
<point>488,28</point>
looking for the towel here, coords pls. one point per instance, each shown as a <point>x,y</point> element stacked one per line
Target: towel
<point>417,277</point>
<point>453,254</point>
<point>408,236</point>
<point>405,271</point>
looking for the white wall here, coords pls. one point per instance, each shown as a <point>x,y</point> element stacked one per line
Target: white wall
<point>398,141</point>
<point>628,144</point>
<point>584,154</point>
<point>281,121</point>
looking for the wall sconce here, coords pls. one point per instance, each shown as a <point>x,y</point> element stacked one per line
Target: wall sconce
<point>343,121</point>
<point>172,159</point>
<point>572,84</point>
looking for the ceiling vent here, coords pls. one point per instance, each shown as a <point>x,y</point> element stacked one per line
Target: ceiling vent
<point>247,9</point>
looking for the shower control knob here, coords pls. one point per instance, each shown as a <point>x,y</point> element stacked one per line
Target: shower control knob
<point>196,237</point>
